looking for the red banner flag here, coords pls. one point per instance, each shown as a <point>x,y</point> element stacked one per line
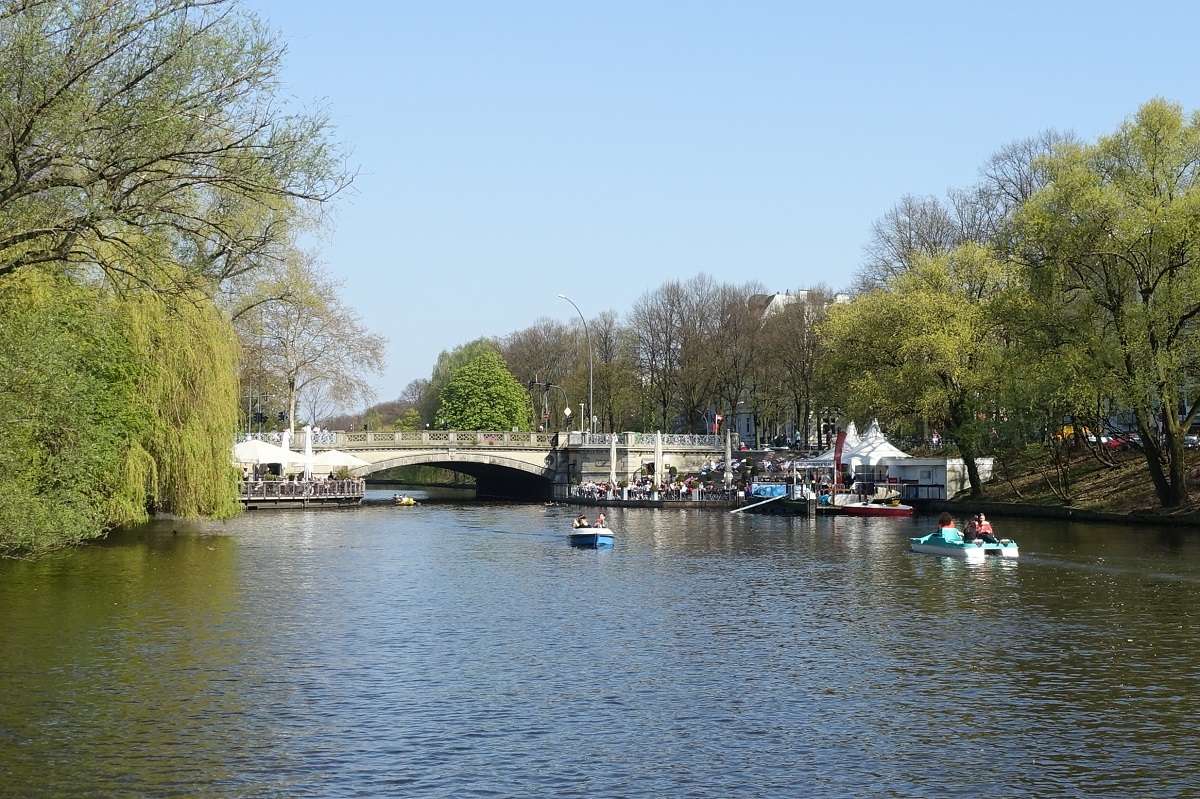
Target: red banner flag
<point>837,458</point>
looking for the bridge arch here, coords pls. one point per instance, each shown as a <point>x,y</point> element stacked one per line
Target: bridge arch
<point>496,476</point>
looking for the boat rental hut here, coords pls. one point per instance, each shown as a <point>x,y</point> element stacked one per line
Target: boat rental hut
<point>883,471</point>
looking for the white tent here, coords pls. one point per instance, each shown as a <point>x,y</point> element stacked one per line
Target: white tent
<point>872,449</point>
<point>255,451</point>
<point>826,457</point>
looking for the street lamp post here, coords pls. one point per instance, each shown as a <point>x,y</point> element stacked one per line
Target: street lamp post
<point>566,411</point>
<point>586,332</point>
<point>566,404</point>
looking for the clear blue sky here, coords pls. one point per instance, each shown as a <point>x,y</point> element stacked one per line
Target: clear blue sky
<point>510,151</point>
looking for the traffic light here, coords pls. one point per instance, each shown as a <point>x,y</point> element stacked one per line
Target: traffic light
<point>283,416</point>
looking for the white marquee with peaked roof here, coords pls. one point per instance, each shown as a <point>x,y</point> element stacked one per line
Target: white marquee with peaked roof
<point>873,449</point>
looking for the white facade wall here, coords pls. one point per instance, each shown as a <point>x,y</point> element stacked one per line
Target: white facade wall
<point>948,472</point>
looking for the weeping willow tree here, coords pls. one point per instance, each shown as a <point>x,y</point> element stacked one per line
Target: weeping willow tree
<point>111,406</point>
<point>188,356</point>
<point>149,157</point>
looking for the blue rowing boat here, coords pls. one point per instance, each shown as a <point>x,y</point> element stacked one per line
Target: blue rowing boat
<point>592,537</point>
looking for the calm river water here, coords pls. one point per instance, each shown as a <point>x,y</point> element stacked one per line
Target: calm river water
<point>465,650</point>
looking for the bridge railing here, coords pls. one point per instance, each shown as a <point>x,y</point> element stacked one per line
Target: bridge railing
<point>392,439</point>
<point>645,440</point>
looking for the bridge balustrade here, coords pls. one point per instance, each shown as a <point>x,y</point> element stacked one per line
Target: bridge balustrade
<point>391,439</point>
<point>646,440</point>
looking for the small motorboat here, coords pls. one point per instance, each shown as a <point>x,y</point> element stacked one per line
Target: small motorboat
<point>876,509</point>
<point>949,543</point>
<point>404,501</point>
<point>591,537</point>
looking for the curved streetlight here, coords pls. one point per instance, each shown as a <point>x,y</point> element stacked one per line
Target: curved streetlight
<point>566,403</point>
<point>566,411</point>
<point>586,332</point>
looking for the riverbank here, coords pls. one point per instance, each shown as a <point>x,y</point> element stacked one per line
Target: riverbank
<point>1118,492</point>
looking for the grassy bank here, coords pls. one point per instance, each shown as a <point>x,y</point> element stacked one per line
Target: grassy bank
<point>1116,483</point>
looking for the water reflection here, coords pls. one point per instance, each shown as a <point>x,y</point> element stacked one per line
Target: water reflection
<point>454,649</point>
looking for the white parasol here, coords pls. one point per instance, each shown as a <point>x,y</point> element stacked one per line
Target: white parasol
<point>612,464</point>
<point>308,452</point>
<point>333,458</point>
<point>658,460</point>
<point>255,451</point>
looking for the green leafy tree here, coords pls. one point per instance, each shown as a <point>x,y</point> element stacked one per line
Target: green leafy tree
<point>69,407</point>
<point>924,348</point>
<point>410,421</point>
<point>111,406</point>
<point>124,116</point>
<point>483,395</point>
<point>1111,246</point>
<point>448,364</point>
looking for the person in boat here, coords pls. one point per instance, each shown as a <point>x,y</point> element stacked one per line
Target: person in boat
<point>600,522</point>
<point>971,531</point>
<point>946,528</point>
<point>984,528</point>
<point>581,521</point>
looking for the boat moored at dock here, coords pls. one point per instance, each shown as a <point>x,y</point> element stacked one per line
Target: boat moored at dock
<point>876,509</point>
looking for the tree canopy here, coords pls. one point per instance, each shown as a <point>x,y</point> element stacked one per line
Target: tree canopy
<point>448,364</point>
<point>483,395</point>
<point>1111,246</point>
<point>141,133</point>
<point>147,160</point>
<point>924,348</point>
<point>112,407</point>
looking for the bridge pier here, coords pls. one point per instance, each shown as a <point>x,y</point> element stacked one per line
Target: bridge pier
<point>601,457</point>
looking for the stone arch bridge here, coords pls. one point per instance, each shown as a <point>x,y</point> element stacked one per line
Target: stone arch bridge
<point>510,465</point>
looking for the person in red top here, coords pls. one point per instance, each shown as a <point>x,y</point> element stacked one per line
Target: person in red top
<point>985,529</point>
<point>947,529</point>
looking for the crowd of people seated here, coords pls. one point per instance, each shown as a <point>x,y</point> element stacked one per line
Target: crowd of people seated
<point>643,489</point>
<point>257,480</point>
